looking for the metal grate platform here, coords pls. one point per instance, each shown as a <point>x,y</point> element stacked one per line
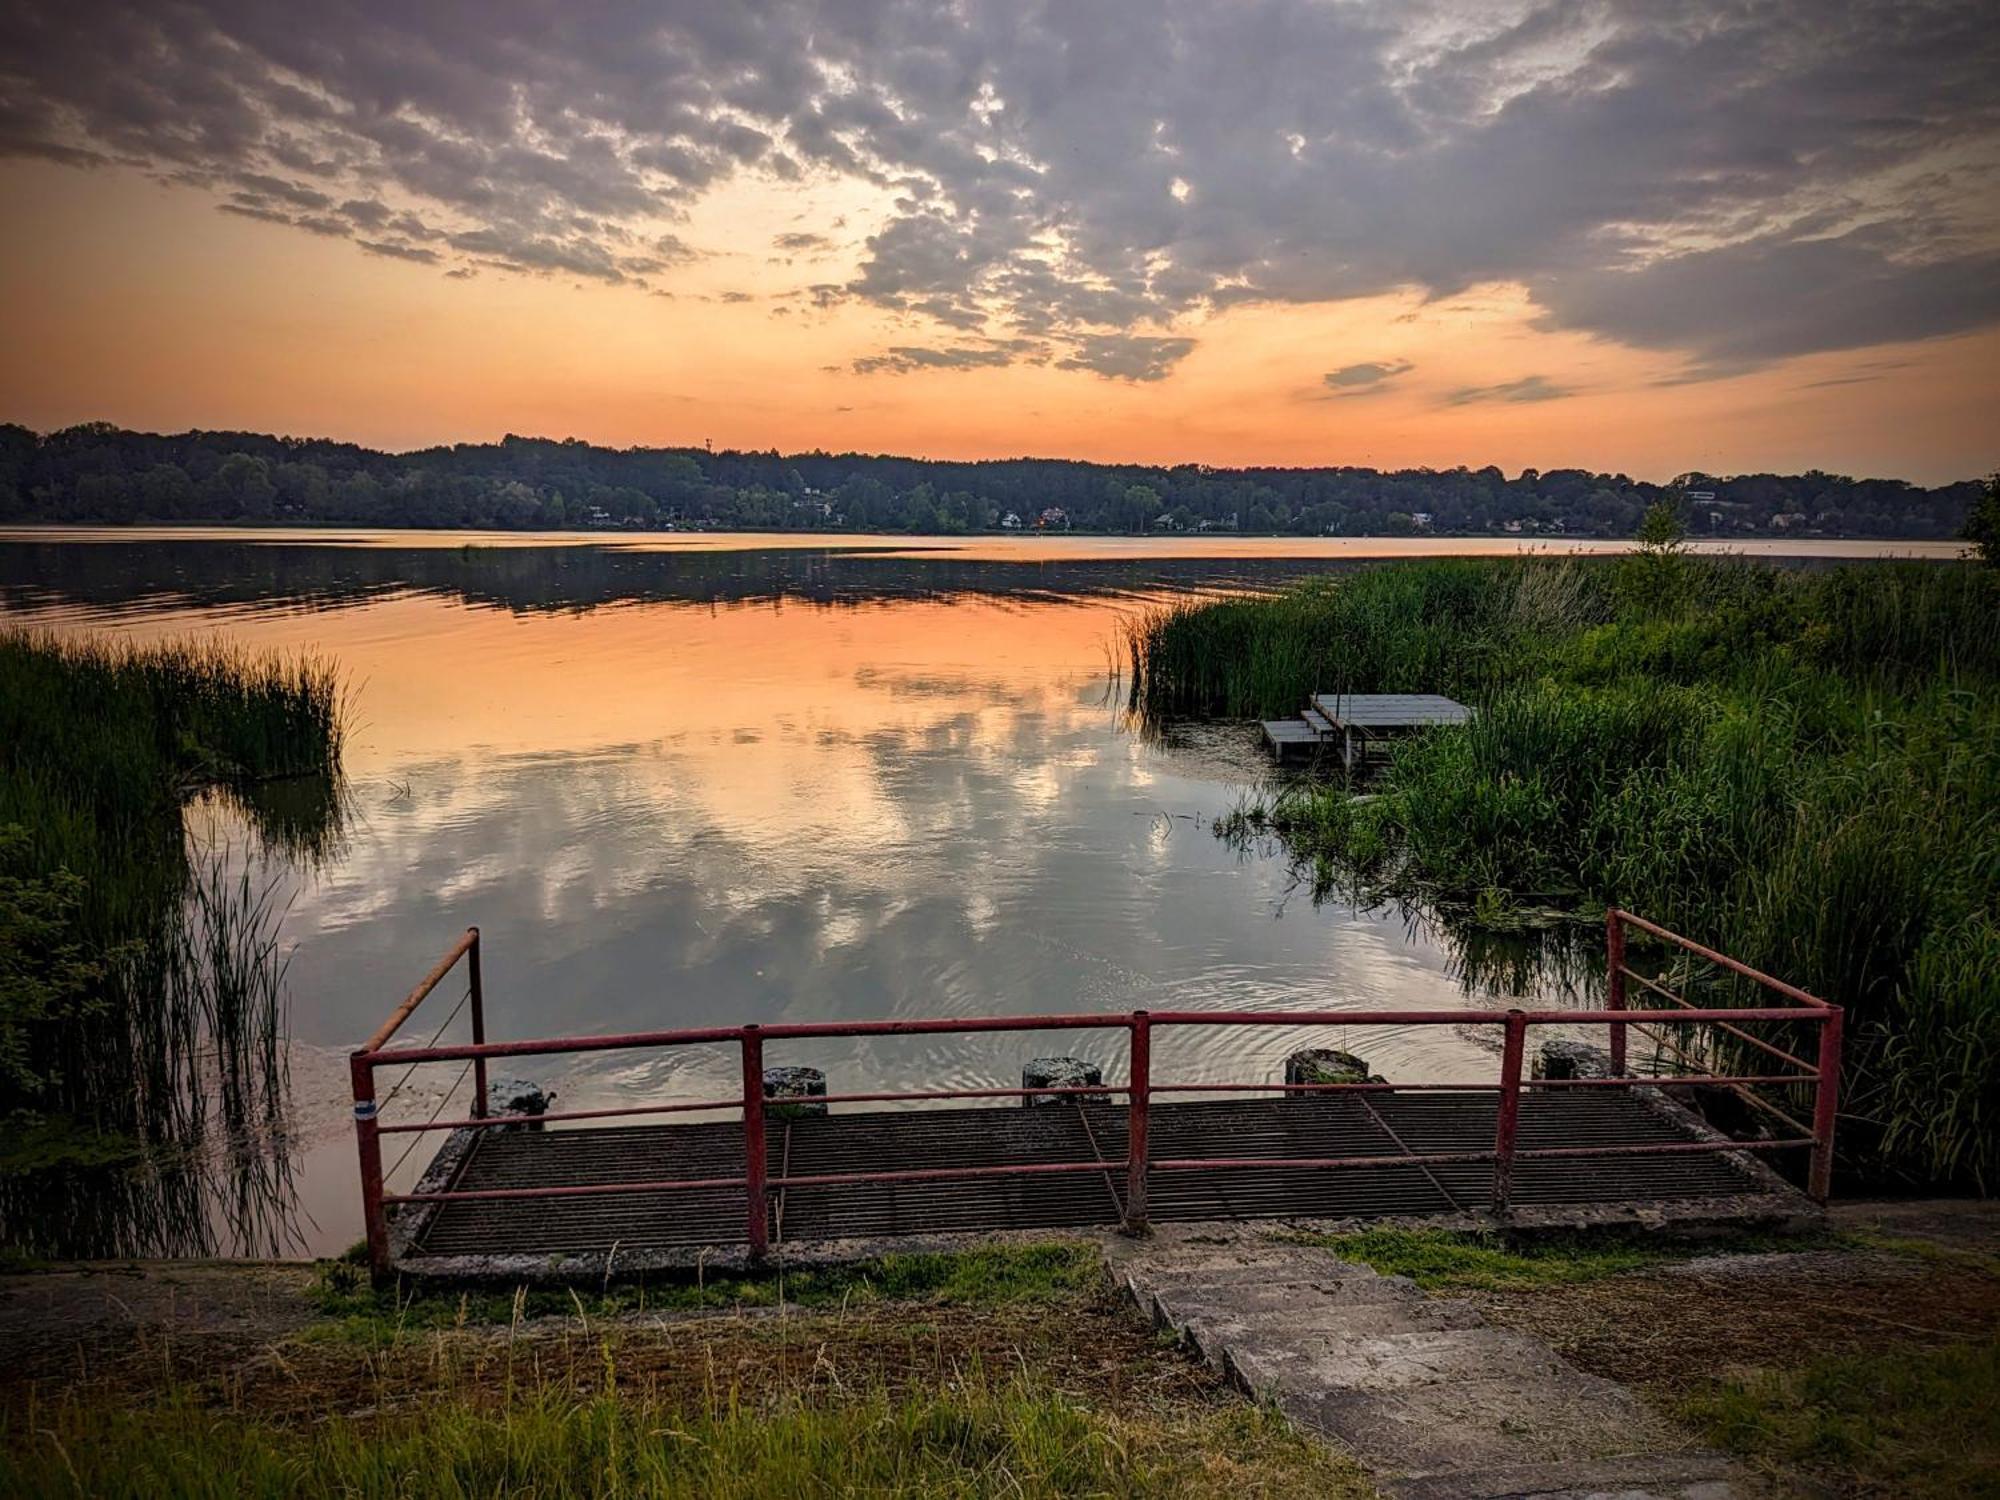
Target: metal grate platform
<point>1383,1124</point>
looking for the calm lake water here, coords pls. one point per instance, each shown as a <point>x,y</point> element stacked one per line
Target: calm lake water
<point>698,780</point>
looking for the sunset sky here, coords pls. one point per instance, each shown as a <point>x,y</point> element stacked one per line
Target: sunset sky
<point>1624,234</point>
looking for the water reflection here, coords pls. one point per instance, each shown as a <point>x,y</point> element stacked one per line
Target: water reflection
<point>925,803</point>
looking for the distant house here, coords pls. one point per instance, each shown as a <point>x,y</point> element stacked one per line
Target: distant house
<point>1698,495</point>
<point>1053,517</point>
<point>1010,522</point>
<point>1421,519</point>
<point>1513,527</point>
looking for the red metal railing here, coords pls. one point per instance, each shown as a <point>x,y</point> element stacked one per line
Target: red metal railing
<point>1822,1077</point>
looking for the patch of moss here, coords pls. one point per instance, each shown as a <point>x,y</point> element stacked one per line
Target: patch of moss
<point>1440,1259</point>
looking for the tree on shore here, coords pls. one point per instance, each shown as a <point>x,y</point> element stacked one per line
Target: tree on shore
<point>1982,526</point>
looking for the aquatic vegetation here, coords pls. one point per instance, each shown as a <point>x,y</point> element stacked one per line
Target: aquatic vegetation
<point>1799,767</point>
<point>140,1002</point>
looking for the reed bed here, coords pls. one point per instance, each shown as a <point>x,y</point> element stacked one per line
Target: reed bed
<point>1799,767</point>
<point>140,1018</point>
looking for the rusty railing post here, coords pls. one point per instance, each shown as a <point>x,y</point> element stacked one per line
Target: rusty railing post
<point>478,1025</point>
<point>1507,1123</point>
<point>1826,1103</point>
<point>756,1209</point>
<point>1614,984</point>
<point>1138,1107</point>
<point>368,1139</point>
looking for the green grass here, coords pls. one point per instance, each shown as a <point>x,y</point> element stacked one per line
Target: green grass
<point>1904,1422</point>
<point>978,1437</point>
<point>354,1312</point>
<point>996,1372</point>
<point>1799,767</point>
<point>1444,1260</point>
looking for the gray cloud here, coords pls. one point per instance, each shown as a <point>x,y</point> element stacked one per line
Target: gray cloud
<point>1733,183</point>
<point>1367,377</point>
<point>1527,388</point>
<point>1124,356</point>
<point>903,359</point>
<point>394,251</point>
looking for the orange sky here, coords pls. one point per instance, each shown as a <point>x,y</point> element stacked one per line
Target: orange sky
<point>136,303</point>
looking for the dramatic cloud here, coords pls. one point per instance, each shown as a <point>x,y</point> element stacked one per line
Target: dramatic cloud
<point>1735,183</point>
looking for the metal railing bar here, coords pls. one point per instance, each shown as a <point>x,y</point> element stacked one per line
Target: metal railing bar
<point>549,1046</point>
<point>1736,1031</point>
<point>1735,1086</point>
<point>1790,990</point>
<point>416,996</point>
<point>683,1185</point>
<point>491,1122</point>
<point>1176,1164</point>
<point>1053,1089</point>
<point>1656,1080</point>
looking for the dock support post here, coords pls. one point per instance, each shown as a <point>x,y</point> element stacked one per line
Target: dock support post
<point>1507,1125</point>
<point>1138,1108</point>
<point>368,1139</point>
<point>1614,984</point>
<point>478,994</point>
<point>1826,1104</point>
<point>756,1221</point>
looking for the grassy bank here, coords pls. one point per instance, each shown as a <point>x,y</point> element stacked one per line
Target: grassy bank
<point>1007,1372</point>
<point>1799,767</point>
<point>140,979</point>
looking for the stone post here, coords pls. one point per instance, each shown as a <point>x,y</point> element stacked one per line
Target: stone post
<point>516,1096</point>
<point>1562,1058</point>
<point>1059,1073</point>
<point>1328,1065</point>
<point>793,1092</point>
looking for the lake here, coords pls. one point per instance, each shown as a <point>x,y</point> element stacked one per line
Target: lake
<point>692,780</point>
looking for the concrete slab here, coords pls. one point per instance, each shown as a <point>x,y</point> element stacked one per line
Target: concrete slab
<point>1438,1404</point>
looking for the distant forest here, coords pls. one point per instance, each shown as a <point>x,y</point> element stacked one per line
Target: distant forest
<point>97,473</point>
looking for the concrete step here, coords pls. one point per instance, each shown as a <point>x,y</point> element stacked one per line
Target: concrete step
<point>1439,1405</point>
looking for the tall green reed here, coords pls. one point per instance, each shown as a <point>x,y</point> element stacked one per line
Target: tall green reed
<point>144,1099</point>
<point>1800,767</point>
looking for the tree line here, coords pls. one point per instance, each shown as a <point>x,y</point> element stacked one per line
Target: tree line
<point>101,474</point>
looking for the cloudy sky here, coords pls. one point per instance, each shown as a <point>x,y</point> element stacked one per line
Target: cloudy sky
<point>1635,234</point>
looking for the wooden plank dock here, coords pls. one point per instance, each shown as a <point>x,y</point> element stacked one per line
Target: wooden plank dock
<point>1357,726</point>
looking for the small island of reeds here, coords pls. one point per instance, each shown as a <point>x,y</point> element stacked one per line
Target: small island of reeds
<point>1798,766</point>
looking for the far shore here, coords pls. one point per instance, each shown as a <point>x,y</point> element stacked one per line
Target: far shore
<point>1003,546</point>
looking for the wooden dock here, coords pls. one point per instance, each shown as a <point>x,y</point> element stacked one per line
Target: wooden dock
<point>1357,727</point>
